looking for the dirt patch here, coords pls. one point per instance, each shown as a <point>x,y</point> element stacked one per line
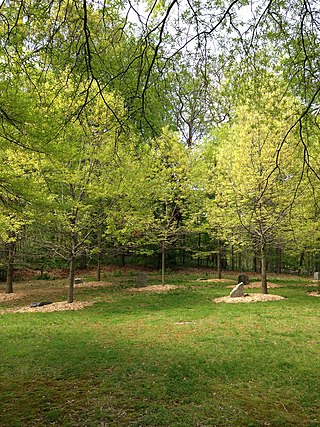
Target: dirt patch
<point>154,288</point>
<point>249,298</point>
<point>56,306</point>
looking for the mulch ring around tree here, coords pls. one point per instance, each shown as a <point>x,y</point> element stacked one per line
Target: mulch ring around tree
<point>313,294</point>
<point>248,298</point>
<point>257,285</point>
<point>216,280</point>
<point>154,288</point>
<point>55,306</point>
<point>26,293</point>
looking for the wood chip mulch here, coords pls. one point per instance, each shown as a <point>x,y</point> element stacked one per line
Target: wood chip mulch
<point>257,285</point>
<point>249,298</point>
<point>11,297</point>
<point>313,294</point>
<point>154,288</point>
<point>215,280</point>
<point>56,306</point>
<point>92,285</point>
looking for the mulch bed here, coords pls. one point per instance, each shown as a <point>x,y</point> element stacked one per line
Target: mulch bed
<point>215,280</point>
<point>257,285</point>
<point>249,298</point>
<point>313,294</point>
<point>154,288</point>
<point>55,306</point>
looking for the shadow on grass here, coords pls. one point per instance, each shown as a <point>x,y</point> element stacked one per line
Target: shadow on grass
<point>172,359</point>
<point>88,378</point>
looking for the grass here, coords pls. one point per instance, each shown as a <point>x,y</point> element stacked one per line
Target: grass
<point>162,359</point>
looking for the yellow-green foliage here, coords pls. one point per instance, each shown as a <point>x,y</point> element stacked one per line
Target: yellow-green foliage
<point>258,169</point>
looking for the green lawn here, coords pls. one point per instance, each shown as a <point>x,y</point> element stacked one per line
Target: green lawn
<point>171,359</point>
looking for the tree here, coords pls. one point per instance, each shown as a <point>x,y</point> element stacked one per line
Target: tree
<point>157,192</point>
<point>20,195</point>
<point>79,172</point>
<point>256,182</point>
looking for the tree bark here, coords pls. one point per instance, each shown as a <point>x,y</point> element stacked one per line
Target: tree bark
<point>301,262</point>
<point>123,259</point>
<point>11,249</point>
<point>232,258</point>
<point>83,260</point>
<point>264,285</point>
<point>99,267</point>
<point>199,246</point>
<point>255,259</point>
<point>72,266</point>
<point>240,261</point>
<point>163,264</point>
<point>219,260</point>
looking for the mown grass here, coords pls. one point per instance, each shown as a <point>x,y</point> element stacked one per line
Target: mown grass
<point>164,359</point>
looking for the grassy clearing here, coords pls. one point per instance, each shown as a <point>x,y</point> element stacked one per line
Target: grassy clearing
<point>161,359</point>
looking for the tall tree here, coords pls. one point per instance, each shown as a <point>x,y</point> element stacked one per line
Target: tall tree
<point>257,182</point>
<point>79,174</point>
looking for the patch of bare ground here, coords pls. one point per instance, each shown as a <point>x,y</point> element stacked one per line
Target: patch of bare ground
<point>55,306</point>
<point>248,298</point>
<point>154,288</point>
<point>313,294</point>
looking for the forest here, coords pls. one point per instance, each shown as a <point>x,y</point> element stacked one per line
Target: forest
<point>163,134</point>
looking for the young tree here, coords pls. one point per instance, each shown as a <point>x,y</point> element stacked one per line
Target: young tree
<point>153,209</point>
<point>79,172</point>
<point>257,172</point>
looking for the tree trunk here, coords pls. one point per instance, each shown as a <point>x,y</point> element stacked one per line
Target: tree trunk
<point>99,267</point>
<point>264,285</point>
<point>240,261</point>
<point>83,260</point>
<point>163,265</point>
<point>11,249</point>
<point>123,260</point>
<point>279,261</point>
<point>255,259</point>
<point>72,266</point>
<point>232,258</point>
<point>301,263</point>
<point>219,260</point>
<point>270,259</point>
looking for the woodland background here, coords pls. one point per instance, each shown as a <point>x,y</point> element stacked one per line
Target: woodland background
<point>162,134</point>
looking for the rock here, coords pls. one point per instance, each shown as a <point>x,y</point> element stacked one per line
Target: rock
<point>142,280</point>
<point>243,278</point>
<point>39,304</point>
<point>237,291</point>
<point>78,281</point>
<point>316,275</point>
